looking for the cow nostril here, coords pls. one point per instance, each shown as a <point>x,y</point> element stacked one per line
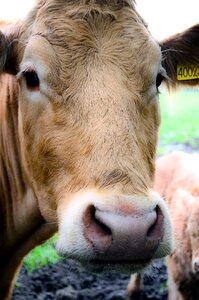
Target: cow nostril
<point>97,233</point>
<point>156,230</point>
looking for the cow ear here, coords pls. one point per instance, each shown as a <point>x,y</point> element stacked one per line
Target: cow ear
<point>3,51</point>
<point>8,49</point>
<point>181,57</point>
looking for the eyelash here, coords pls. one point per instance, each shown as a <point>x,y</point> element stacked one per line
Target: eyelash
<point>159,80</point>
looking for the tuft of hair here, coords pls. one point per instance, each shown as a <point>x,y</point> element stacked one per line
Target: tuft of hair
<point>114,3</point>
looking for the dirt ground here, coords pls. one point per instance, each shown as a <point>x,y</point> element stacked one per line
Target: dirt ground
<point>67,280</point>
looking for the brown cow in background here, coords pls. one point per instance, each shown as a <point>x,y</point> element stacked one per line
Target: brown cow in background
<point>177,180</point>
<point>79,119</point>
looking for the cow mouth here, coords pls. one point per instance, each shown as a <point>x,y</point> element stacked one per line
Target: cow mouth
<point>100,262</point>
<point>127,267</point>
<point>98,265</point>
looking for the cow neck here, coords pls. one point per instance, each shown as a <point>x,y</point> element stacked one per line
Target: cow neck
<point>11,175</point>
<point>13,188</point>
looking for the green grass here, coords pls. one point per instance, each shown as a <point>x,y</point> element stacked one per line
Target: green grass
<point>163,287</point>
<point>42,255</point>
<point>180,116</point>
<point>180,123</point>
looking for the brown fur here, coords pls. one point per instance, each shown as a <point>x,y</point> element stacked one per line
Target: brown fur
<point>22,226</point>
<point>34,156</point>
<point>94,125</point>
<point>71,110</point>
<point>177,180</point>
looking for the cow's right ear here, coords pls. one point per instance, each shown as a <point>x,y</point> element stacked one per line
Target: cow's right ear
<point>3,51</point>
<point>8,49</point>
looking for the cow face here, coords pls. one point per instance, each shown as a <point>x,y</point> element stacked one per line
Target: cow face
<point>88,77</point>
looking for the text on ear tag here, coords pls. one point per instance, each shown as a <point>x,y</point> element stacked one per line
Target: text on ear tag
<point>187,72</point>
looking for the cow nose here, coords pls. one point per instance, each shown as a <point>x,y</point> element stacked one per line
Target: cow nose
<point>122,237</point>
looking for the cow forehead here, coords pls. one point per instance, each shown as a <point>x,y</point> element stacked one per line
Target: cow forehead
<point>67,45</point>
<point>78,28</point>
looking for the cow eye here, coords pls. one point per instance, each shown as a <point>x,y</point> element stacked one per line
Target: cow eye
<point>32,79</point>
<point>159,80</point>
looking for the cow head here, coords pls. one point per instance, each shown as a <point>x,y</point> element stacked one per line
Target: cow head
<point>88,74</point>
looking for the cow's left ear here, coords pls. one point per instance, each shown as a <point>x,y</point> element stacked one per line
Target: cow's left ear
<point>181,57</point>
<point>9,37</point>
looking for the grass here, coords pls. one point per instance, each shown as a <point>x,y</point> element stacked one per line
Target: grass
<point>180,123</point>
<point>42,255</point>
<point>180,117</point>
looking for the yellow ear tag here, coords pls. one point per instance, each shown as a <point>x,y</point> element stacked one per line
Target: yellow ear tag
<point>187,72</point>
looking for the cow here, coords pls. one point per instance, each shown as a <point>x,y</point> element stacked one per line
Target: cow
<point>79,117</point>
<point>177,179</point>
